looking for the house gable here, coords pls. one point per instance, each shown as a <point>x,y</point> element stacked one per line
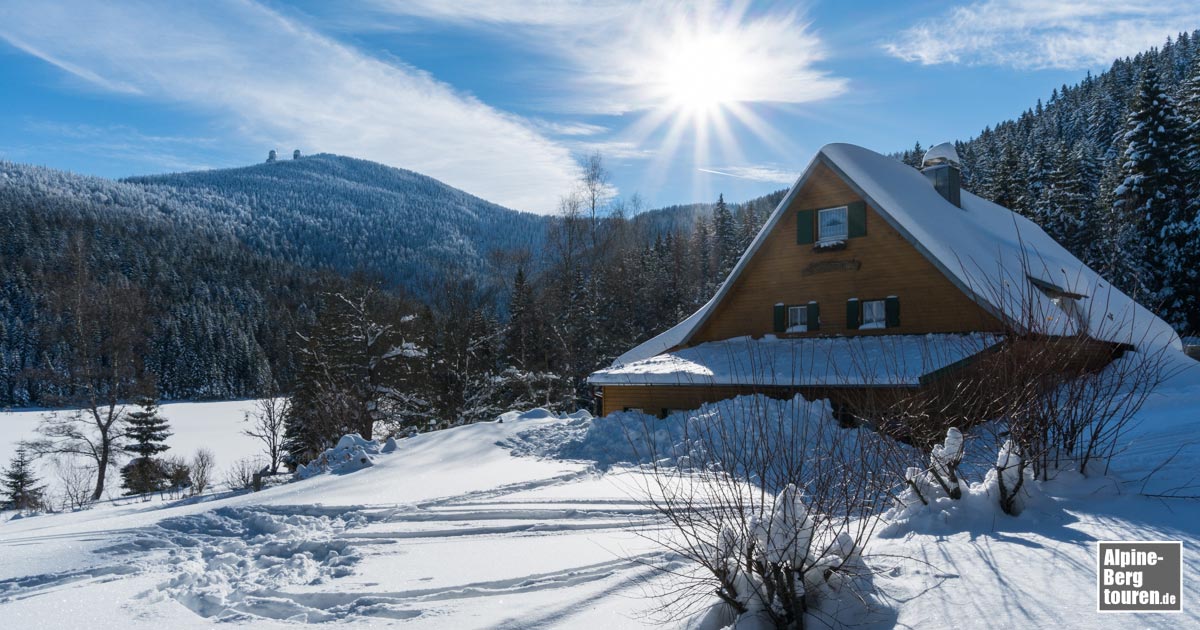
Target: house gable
<point>874,266</point>
<point>987,252</point>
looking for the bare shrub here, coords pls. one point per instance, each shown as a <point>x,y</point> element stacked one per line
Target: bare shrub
<point>178,476</point>
<point>203,463</point>
<point>773,503</point>
<point>244,474</point>
<point>75,480</point>
<point>1064,384</point>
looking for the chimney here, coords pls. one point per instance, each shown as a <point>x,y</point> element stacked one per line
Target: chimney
<point>943,169</point>
<point>296,154</point>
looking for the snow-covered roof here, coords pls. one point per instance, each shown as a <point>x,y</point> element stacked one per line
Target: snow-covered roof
<point>881,360</point>
<point>988,251</point>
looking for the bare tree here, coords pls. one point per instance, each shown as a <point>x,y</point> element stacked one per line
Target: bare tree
<point>595,184</point>
<point>203,463</point>
<point>106,334</point>
<point>266,425</point>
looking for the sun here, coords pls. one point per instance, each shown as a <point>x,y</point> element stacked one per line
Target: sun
<point>710,82</point>
<point>699,72</point>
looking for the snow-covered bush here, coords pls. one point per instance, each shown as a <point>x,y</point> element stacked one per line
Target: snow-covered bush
<point>942,473</point>
<point>1010,477</point>
<point>351,453</point>
<point>772,500</point>
<point>928,503</point>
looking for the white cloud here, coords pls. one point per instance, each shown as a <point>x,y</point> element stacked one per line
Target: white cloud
<point>765,174</point>
<point>559,13</point>
<point>281,83</point>
<point>1039,34</point>
<point>615,50</point>
<point>568,128</point>
<point>615,150</point>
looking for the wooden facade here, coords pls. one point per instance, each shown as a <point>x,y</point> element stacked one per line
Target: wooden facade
<point>879,264</point>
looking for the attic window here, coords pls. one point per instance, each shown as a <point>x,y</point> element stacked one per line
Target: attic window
<point>832,225</point>
<point>1066,301</point>
<point>1054,291</point>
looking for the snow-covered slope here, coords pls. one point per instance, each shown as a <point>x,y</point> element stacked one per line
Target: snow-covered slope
<point>448,531</point>
<point>453,530</point>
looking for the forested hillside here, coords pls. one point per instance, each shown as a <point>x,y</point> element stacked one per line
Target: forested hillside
<point>347,215</point>
<point>213,276</point>
<point>1110,167</point>
<point>83,259</point>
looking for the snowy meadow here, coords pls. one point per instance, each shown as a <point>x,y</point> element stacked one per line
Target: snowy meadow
<point>545,520</point>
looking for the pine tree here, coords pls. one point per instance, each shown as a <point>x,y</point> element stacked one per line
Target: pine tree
<point>522,326</point>
<point>146,432</point>
<point>1063,208</point>
<point>1187,230</point>
<point>725,235</point>
<point>1150,197</point>
<point>20,485</point>
<point>702,236</point>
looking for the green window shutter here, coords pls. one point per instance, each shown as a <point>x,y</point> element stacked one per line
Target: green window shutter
<point>804,227</point>
<point>853,313</point>
<point>857,215</point>
<point>891,308</point>
<point>780,318</point>
<point>814,316</point>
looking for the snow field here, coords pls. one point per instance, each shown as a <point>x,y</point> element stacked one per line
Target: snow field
<point>536,522</point>
<point>216,426</point>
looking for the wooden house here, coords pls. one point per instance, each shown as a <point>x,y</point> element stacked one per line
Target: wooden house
<point>873,280</point>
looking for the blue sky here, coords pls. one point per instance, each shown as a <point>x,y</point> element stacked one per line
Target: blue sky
<point>500,98</point>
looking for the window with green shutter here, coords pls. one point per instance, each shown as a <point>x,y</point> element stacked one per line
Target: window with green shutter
<point>852,313</point>
<point>857,212</point>
<point>814,316</point>
<point>780,318</point>
<point>892,307</point>
<point>804,227</point>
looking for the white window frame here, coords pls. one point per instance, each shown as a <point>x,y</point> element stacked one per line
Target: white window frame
<point>875,324</point>
<point>845,233</point>
<point>793,327</point>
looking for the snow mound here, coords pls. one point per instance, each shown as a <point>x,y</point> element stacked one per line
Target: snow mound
<point>541,413</point>
<point>635,438</point>
<point>351,453</point>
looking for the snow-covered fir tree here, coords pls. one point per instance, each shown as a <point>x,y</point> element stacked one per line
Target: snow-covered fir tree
<point>1150,197</point>
<point>725,238</point>
<point>146,432</point>
<point>19,485</point>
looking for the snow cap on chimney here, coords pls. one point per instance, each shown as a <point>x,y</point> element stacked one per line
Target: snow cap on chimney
<point>942,168</point>
<point>943,153</point>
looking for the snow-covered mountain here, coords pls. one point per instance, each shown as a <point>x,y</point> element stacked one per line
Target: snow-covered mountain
<point>347,215</point>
